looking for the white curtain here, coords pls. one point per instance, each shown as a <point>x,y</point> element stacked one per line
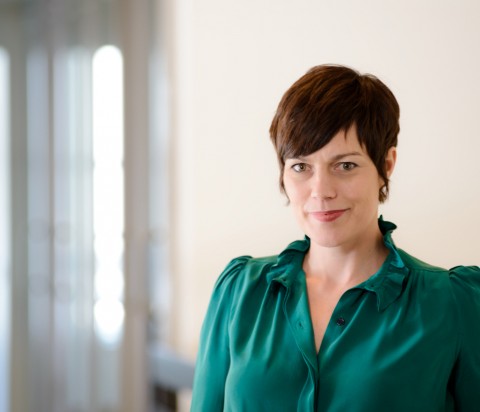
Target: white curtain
<point>78,309</point>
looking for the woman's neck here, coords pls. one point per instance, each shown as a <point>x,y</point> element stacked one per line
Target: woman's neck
<point>345,266</point>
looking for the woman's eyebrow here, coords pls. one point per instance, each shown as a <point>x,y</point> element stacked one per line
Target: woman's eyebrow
<point>332,159</point>
<point>343,155</point>
<point>295,158</point>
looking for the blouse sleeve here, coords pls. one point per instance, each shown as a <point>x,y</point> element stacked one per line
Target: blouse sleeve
<point>466,377</point>
<point>213,358</point>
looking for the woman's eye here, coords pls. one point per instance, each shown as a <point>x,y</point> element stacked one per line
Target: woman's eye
<point>347,166</point>
<point>299,167</point>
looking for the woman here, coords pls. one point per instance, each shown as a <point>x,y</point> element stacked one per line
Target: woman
<point>342,321</point>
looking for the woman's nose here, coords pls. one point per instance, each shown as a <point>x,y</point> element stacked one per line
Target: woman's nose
<point>323,186</point>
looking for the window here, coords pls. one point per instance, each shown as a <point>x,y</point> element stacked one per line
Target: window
<point>108,193</point>
<point>81,138</point>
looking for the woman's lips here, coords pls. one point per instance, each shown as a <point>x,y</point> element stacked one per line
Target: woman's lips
<point>328,216</point>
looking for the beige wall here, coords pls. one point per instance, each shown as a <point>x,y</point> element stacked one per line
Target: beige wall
<point>230,63</point>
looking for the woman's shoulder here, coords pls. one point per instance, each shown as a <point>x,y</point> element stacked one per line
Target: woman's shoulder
<point>470,273</point>
<point>246,269</point>
<point>253,269</point>
<point>417,265</point>
<point>465,280</point>
<point>247,265</point>
<point>459,279</point>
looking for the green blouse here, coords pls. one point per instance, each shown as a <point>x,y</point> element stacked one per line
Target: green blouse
<point>406,339</point>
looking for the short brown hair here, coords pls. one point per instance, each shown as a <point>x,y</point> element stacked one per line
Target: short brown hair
<point>331,98</point>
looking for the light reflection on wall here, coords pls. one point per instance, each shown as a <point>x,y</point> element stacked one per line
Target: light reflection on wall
<point>4,230</point>
<point>108,193</point>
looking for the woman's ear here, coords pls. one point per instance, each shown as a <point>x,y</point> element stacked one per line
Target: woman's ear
<point>390,160</point>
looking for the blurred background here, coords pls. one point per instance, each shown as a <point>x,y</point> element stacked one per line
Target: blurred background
<point>135,163</point>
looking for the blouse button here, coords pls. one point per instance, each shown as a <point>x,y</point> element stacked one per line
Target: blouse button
<point>340,321</point>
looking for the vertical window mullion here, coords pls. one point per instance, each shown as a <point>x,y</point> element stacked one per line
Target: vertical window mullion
<point>5,247</point>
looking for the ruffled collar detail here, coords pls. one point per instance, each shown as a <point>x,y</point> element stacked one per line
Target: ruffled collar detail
<point>387,283</point>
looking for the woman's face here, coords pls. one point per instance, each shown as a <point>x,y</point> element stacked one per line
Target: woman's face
<point>334,191</point>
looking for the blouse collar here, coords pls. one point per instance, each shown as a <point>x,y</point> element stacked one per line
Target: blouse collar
<point>387,283</point>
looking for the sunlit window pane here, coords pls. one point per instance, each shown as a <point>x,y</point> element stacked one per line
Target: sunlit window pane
<point>4,231</point>
<point>108,192</point>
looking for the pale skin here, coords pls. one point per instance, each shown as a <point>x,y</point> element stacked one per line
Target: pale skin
<point>334,194</point>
